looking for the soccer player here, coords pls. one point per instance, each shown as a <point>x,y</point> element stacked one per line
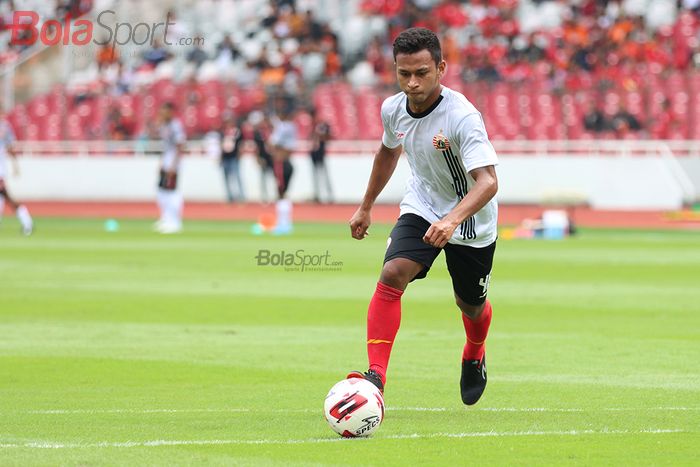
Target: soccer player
<point>320,134</point>
<point>283,141</point>
<point>449,205</point>
<point>258,121</point>
<point>7,140</point>
<point>170,201</point>
<point>231,140</point>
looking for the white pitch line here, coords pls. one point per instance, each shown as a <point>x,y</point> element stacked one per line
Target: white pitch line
<point>592,409</point>
<point>396,409</point>
<point>477,434</point>
<point>130,411</point>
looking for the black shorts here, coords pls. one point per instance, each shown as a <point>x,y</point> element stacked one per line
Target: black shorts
<point>283,174</point>
<point>469,267</point>
<point>318,157</point>
<point>166,181</point>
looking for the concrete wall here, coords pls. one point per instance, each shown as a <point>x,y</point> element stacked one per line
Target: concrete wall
<point>603,182</point>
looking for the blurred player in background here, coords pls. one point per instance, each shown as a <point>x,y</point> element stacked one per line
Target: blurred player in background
<point>170,201</point>
<point>449,204</point>
<point>7,141</point>
<point>231,139</point>
<point>258,121</point>
<point>283,142</point>
<point>320,134</point>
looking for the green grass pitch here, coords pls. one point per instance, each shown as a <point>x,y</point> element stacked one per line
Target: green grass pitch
<point>131,348</point>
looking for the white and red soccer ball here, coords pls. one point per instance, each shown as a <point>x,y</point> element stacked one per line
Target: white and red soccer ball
<point>354,408</point>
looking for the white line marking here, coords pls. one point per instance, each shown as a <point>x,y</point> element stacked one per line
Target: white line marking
<point>478,434</point>
<point>133,411</point>
<point>396,409</point>
<point>592,409</point>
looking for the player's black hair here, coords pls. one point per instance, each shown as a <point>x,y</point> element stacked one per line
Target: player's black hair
<point>169,105</point>
<point>414,40</point>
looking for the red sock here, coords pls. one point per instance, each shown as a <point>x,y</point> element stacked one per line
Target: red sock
<point>383,320</point>
<point>476,334</point>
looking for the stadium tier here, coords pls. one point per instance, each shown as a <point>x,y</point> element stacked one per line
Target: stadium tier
<point>512,111</point>
<point>537,69</point>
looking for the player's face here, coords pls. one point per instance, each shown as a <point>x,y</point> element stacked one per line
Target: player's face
<point>419,76</point>
<point>165,113</point>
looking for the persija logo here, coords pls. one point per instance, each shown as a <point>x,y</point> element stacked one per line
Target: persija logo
<point>25,30</point>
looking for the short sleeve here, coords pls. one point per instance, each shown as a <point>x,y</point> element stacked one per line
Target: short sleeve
<point>474,145</point>
<point>9,135</point>
<point>389,138</point>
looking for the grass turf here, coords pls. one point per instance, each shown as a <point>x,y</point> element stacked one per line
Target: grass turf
<point>133,348</point>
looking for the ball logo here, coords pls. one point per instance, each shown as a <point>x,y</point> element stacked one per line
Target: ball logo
<point>440,142</point>
<point>369,423</point>
<point>347,405</point>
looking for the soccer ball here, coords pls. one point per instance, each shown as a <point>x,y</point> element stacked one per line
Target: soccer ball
<point>354,408</point>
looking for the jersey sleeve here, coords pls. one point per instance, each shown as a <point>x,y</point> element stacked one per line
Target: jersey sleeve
<point>474,145</point>
<point>9,136</point>
<point>389,138</point>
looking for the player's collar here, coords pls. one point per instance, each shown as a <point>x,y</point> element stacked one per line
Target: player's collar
<point>427,111</point>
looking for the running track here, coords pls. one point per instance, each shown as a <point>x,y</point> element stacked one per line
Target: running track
<point>508,215</point>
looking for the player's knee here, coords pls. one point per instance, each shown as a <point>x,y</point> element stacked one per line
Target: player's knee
<point>394,275</point>
<point>472,312</point>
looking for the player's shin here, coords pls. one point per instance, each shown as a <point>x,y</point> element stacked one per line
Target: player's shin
<point>25,219</point>
<point>477,330</point>
<point>162,203</point>
<point>284,209</point>
<point>383,321</point>
<point>174,208</point>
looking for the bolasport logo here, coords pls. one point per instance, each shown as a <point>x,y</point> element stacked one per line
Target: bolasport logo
<point>27,31</point>
<point>299,260</point>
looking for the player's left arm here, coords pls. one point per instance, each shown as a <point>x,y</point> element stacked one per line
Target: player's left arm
<point>483,190</point>
<point>479,158</point>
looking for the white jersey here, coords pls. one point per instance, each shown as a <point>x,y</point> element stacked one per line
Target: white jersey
<point>7,138</point>
<point>443,144</point>
<point>172,134</point>
<point>284,135</point>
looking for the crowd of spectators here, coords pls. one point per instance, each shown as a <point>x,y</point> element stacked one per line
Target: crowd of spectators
<point>494,40</point>
<point>287,48</point>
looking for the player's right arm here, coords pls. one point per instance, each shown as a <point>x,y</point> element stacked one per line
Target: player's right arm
<point>385,162</point>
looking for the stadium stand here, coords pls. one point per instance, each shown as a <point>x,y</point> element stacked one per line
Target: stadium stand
<point>538,70</point>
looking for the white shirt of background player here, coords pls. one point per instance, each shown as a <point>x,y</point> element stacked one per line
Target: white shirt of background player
<point>173,136</point>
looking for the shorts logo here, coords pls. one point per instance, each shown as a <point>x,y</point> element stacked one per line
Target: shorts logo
<point>484,283</point>
<point>400,134</point>
<point>388,242</point>
<point>440,142</point>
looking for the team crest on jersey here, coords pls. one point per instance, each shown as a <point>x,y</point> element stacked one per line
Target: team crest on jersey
<point>440,142</point>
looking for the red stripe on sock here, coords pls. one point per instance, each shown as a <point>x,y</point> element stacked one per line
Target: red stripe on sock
<point>383,321</point>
